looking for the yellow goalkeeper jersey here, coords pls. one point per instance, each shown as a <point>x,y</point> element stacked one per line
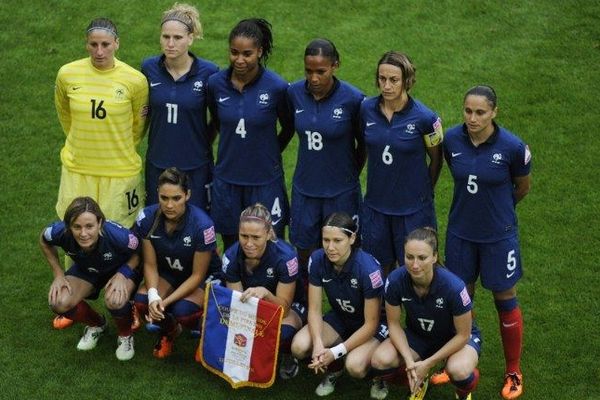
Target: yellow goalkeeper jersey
<point>103,115</point>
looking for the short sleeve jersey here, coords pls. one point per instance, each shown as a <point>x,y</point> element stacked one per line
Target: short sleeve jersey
<point>360,278</point>
<point>103,115</point>
<point>178,115</point>
<point>279,263</point>
<point>175,251</point>
<point>398,181</point>
<point>430,317</point>
<point>248,151</point>
<point>115,247</point>
<point>327,129</point>
<point>483,205</point>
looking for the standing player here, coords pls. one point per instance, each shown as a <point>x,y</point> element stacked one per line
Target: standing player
<point>178,243</point>
<point>246,100</point>
<point>401,134</point>
<point>438,320</point>
<point>490,167</point>
<point>331,152</point>
<point>260,265</point>
<point>101,104</point>
<point>353,285</point>
<point>179,134</point>
<point>105,256</point>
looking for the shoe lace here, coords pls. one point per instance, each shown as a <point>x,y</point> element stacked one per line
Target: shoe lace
<point>126,343</point>
<point>514,381</point>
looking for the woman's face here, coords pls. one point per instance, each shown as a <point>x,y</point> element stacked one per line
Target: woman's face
<point>337,244</point>
<point>253,237</point>
<point>172,199</point>
<point>175,40</point>
<point>390,82</point>
<point>319,71</point>
<point>86,230</point>
<point>244,56</point>
<point>419,258</point>
<point>101,46</point>
<point>478,114</point>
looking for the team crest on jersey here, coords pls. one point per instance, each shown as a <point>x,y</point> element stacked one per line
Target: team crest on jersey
<point>270,272</point>
<point>354,283</point>
<point>264,98</point>
<point>198,85</point>
<point>107,256</point>
<point>337,113</point>
<point>497,158</point>
<point>119,93</point>
<point>439,302</point>
<point>410,128</point>
<point>187,241</point>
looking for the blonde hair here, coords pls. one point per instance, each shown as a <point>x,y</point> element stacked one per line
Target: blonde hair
<point>188,15</point>
<point>259,213</point>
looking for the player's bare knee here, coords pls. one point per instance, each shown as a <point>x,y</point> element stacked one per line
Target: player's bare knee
<point>300,348</point>
<point>356,367</point>
<point>113,303</point>
<point>62,305</point>
<point>382,359</point>
<point>458,369</point>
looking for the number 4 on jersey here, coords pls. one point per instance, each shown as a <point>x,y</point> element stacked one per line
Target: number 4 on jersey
<point>241,128</point>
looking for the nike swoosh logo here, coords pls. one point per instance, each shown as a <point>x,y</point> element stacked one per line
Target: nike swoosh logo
<point>152,84</point>
<point>509,275</point>
<point>299,111</point>
<point>370,123</point>
<point>327,280</point>
<point>154,237</point>
<point>77,88</point>
<point>455,154</point>
<point>275,222</point>
<point>406,299</point>
<point>509,325</point>
<point>222,99</point>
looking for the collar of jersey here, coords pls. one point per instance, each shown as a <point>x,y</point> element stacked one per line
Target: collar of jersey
<point>336,84</point>
<point>229,71</point>
<point>493,137</point>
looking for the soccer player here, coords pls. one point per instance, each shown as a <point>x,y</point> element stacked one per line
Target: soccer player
<point>491,171</point>
<point>178,240</point>
<point>438,320</point>
<point>246,100</point>
<point>404,149</point>
<point>179,134</point>
<point>353,283</point>
<point>260,265</point>
<point>105,257</point>
<point>331,151</point>
<point>101,104</point>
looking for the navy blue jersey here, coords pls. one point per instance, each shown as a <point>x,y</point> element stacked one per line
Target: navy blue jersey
<point>398,181</point>
<point>360,278</point>
<point>279,263</point>
<point>327,130</point>
<point>115,247</point>
<point>430,317</point>
<point>175,251</point>
<point>248,152</point>
<point>483,205</point>
<point>178,134</point>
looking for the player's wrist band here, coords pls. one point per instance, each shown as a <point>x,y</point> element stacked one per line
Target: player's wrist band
<point>153,295</point>
<point>128,272</point>
<point>339,351</point>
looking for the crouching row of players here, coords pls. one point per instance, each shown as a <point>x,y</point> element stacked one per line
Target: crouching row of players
<point>179,244</point>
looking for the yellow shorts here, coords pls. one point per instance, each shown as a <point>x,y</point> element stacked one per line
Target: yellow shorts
<point>119,198</point>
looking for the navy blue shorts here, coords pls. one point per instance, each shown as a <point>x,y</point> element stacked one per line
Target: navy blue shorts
<point>309,213</point>
<point>229,200</point>
<point>345,330</point>
<point>383,235</point>
<point>200,183</point>
<point>301,310</point>
<point>96,279</point>
<point>498,263</point>
<point>425,348</point>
